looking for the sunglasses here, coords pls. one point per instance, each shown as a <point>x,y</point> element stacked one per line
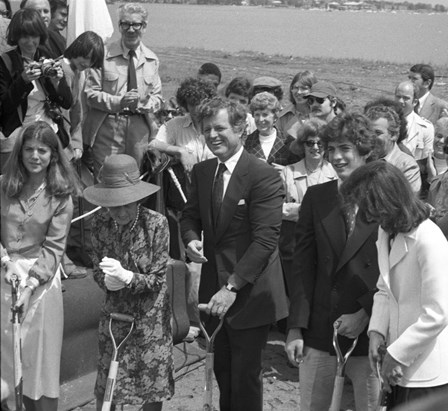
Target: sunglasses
<point>136,26</point>
<point>318,100</point>
<point>312,143</point>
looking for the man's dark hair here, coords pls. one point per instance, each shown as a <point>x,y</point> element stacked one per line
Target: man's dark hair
<point>426,71</point>
<point>193,91</point>
<point>355,127</point>
<point>57,4</point>
<point>236,111</point>
<point>239,85</point>
<point>210,68</point>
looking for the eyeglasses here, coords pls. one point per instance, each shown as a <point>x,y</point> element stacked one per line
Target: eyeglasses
<point>136,26</point>
<point>300,89</point>
<point>312,143</point>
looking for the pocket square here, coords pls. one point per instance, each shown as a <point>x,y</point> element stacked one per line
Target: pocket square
<point>242,202</point>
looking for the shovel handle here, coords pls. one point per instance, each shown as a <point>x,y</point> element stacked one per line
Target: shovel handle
<point>208,389</point>
<point>122,317</point>
<point>110,386</point>
<point>337,393</point>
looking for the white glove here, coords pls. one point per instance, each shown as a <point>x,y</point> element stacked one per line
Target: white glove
<point>291,211</point>
<point>113,269</point>
<point>112,284</point>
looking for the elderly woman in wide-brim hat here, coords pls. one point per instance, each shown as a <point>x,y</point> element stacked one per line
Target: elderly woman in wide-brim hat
<point>130,255</point>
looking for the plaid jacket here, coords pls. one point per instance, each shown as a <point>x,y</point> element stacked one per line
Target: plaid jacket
<point>280,153</point>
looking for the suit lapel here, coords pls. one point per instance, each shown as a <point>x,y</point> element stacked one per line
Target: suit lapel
<point>398,251</point>
<point>428,107</point>
<point>234,194</point>
<point>359,236</point>
<point>332,220</point>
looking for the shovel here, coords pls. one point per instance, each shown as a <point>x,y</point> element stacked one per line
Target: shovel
<point>112,376</point>
<point>17,343</point>
<point>340,371</point>
<point>209,359</point>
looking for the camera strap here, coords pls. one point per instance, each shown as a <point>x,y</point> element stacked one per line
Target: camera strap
<point>47,96</point>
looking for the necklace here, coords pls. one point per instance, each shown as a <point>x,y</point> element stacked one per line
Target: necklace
<point>311,171</point>
<point>30,199</point>
<point>313,176</point>
<point>134,223</point>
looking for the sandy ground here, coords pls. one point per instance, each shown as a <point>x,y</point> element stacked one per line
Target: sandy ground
<point>357,81</point>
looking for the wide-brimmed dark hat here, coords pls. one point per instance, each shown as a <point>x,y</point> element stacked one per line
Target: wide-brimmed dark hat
<point>120,183</point>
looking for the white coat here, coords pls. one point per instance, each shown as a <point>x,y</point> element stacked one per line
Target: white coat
<point>411,307</point>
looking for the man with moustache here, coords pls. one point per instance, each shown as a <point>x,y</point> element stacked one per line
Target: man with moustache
<point>336,270</point>
<point>386,125</point>
<point>429,106</point>
<point>420,132</point>
<point>322,100</point>
<point>236,203</point>
<point>123,95</point>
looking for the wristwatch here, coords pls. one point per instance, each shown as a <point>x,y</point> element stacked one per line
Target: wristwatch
<point>231,288</point>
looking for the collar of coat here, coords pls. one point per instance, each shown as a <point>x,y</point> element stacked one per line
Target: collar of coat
<point>116,49</point>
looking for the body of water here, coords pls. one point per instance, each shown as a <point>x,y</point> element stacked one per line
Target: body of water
<point>393,37</point>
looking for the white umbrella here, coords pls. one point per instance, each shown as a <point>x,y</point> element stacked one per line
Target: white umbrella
<point>88,15</point>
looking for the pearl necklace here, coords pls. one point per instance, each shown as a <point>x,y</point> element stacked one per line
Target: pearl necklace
<point>134,223</point>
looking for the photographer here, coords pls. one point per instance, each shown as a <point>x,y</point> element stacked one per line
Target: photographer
<point>31,89</point>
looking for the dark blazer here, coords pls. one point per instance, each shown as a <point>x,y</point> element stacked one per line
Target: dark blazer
<point>432,108</point>
<point>14,92</point>
<point>280,153</point>
<point>56,43</point>
<point>333,275</point>
<point>245,240</point>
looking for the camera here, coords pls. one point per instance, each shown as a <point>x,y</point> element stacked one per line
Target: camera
<point>47,66</point>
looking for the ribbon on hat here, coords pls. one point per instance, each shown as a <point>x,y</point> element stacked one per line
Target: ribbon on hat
<point>119,179</point>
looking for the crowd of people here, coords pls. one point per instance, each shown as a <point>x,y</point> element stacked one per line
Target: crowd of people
<point>304,214</point>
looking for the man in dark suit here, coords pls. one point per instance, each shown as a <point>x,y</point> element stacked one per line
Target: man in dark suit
<point>336,270</point>
<point>236,204</point>
<point>429,106</point>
